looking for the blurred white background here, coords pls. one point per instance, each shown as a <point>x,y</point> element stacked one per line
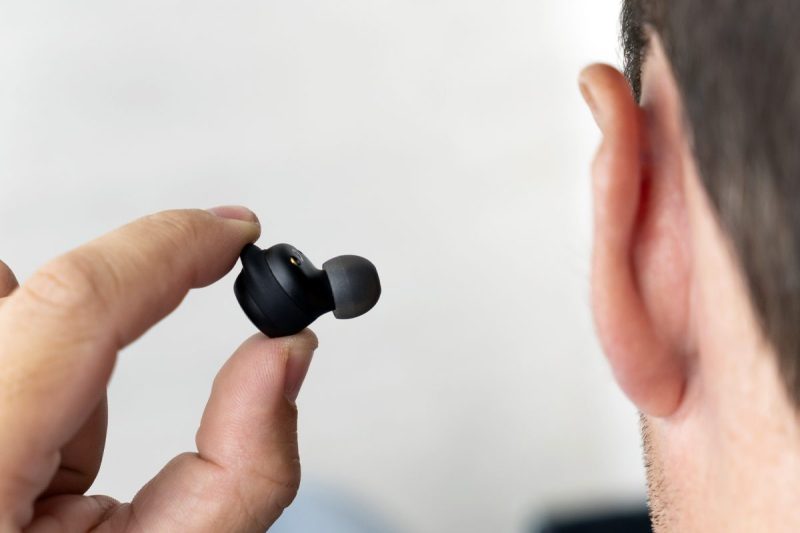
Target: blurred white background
<point>444,139</point>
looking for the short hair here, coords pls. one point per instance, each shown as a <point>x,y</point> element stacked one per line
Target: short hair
<point>737,67</point>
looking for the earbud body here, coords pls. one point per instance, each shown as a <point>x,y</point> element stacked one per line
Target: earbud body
<point>282,292</point>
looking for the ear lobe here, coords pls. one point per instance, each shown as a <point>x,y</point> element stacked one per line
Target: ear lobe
<point>646,365</point>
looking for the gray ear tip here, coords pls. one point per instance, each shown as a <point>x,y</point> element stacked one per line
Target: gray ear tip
<point>355,285</point>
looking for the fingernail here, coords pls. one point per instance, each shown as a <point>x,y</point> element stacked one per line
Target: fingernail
<point>234,212</point>
<point>300,355</point>
<point>589,98</point>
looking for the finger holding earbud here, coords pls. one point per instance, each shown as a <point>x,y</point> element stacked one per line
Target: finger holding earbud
<point>247,469</point>
<point>62,329</point>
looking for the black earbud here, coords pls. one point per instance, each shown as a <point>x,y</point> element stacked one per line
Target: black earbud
<point>282,292</point>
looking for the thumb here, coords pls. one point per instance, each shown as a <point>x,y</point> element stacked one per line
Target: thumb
<point>247,469</point>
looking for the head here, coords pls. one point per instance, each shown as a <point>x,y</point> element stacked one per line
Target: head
<point>696,264</point>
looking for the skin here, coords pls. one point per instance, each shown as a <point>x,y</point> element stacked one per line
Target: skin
<point>60,333</point>
<point>722,446</point>
<point>671,310</point>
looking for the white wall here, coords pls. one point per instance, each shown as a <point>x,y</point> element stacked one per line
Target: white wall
<point>444,139</point>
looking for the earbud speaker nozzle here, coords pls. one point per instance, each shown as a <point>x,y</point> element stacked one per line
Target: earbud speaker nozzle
<point>354,283</point>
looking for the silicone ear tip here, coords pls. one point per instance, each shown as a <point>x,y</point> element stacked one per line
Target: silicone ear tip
<point>355,285</point>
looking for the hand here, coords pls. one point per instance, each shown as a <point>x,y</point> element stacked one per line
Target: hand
<point>59,337</point>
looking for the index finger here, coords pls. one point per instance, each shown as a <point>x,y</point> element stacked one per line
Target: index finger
<point>62,329</point>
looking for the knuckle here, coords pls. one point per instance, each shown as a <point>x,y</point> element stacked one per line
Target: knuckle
<point>279,478</point>
<point>288,477</point>
<point>176,225</point>
<point>283,473</point>
<point>67,284</point>
<point>264,493</point>
<point>282,498</point>
<point>285,487</point>
<point>177,229</point>
<point>102,507</point>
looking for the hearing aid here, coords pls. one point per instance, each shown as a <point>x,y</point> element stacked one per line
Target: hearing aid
<point>282,292</point>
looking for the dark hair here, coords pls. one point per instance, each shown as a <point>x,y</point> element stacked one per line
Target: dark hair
<point>738,70</point>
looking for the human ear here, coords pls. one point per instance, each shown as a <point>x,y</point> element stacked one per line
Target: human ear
<point>640,264</point>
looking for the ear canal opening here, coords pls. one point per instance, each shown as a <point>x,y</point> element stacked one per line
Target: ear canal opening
<point>355,285</point>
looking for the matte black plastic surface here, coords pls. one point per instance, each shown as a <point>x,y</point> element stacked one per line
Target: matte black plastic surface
<point>304,283</point>
<point>268,303</point>
<point>282,292</point>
